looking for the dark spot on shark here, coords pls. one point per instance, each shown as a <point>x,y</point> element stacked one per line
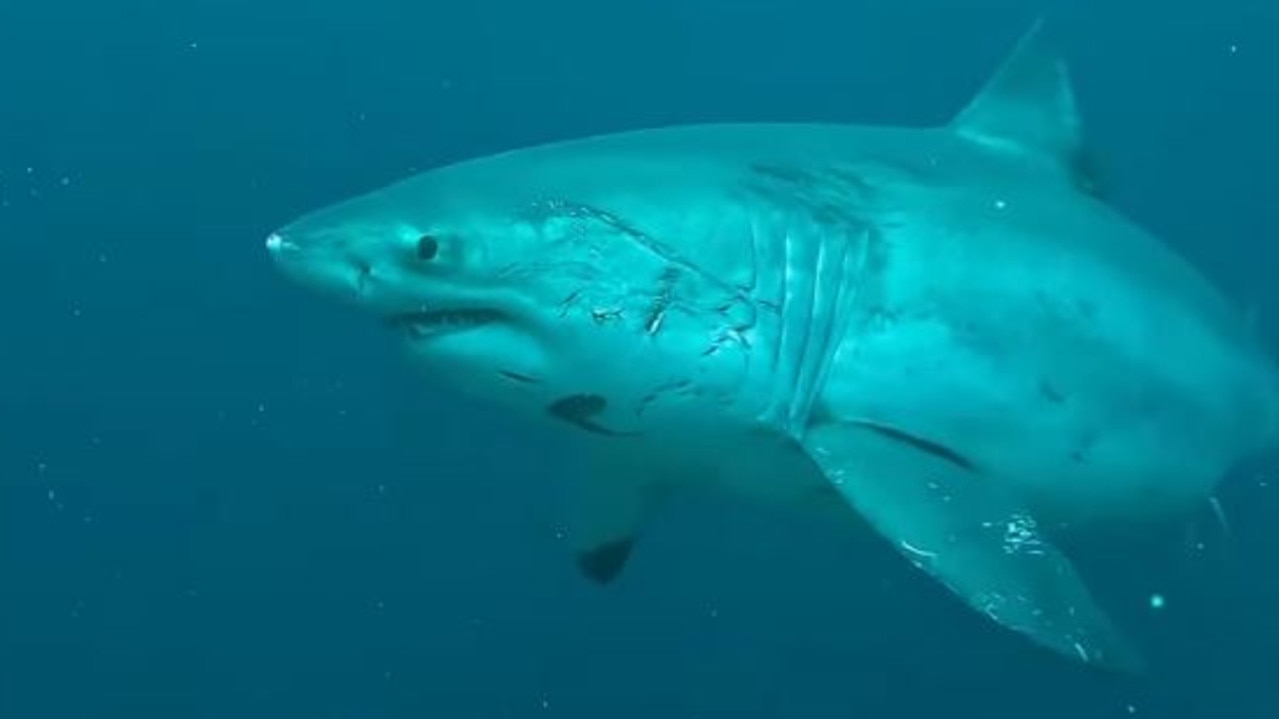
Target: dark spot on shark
<point>830,195</point>
<point>924,445</point>
<point>1050,392</point>
<point>577,406</point>
<point>517,377</point>
<point>580,409</point>
<point>820,413</point>
<point>1090,174</point>
<point>790,175</point>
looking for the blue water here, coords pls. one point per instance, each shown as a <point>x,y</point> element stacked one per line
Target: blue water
<point>223,497</point>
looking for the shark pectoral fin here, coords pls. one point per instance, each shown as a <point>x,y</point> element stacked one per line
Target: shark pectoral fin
<point>953,524</point>
<point>611,507</point>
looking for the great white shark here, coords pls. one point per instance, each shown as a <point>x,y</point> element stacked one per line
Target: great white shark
<point>945,331</point>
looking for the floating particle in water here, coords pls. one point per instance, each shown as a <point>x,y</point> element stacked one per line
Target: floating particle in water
<point>1157,601</point>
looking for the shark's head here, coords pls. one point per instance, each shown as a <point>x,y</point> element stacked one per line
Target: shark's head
<point>494,288</point>
<point>450,267</point>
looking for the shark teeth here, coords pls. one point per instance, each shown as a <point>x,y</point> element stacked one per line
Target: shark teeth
<point>429,323</point>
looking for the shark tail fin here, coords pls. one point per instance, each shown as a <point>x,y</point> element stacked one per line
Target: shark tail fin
<point>1028,109</point>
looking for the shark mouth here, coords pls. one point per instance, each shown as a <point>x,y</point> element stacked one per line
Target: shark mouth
<point>424,324</point>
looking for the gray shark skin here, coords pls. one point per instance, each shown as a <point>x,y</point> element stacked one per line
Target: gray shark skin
<point>942,331</point>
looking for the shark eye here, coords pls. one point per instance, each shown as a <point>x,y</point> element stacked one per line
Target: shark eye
<point>427,247</point>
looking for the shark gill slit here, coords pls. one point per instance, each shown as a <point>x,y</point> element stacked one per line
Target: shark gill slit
<point>829,278</point>
<point>778,375</point>
<point>798,295</point>
<point>773,268</point>
<point>852,289</point>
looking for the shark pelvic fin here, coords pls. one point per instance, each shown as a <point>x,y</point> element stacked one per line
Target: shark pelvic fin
<point>1028,108</point>
<point>610,508</point>
<point>956,526</point>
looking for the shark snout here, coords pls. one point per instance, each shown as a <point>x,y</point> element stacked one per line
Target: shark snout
<point>288,256</point>
<point>279,248</point>
<point>316,266</point>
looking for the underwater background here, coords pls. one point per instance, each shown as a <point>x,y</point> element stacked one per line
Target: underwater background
<point>221,496</point>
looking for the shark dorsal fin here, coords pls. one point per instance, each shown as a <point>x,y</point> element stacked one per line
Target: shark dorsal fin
<point>1028,108</point>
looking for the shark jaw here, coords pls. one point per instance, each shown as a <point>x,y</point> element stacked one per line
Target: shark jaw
<point>425,325</point>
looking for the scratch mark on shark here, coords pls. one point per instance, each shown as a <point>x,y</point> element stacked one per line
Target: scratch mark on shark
<point>565,209</point>
<point>661,299</point>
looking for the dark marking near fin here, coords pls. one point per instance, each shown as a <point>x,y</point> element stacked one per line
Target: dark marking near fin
<point>577,406</point>
<point>820,413</point>
<point>1091,174</point>
<point>604,563</point>
<point>518,377</point>
<point>924,445</point>
<point>578,409</point>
